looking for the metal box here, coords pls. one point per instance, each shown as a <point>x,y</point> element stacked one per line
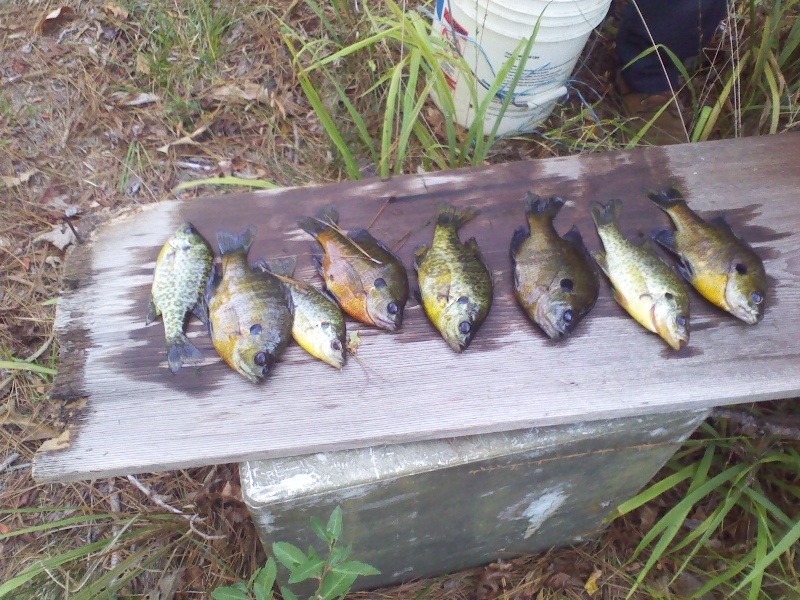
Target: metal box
<point>428,508</point>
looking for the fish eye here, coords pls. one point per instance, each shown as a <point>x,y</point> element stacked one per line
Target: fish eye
<point>668,296</point>
<point>380,283</point>
<point>741,268</point>
<point>568,316</point>
<point>465,327</point>
<point>463,300</point>
<point>757,297</point>
<point>393,308</point>
<point>255,329</point>
<point>261,359</point>
<point>567,285</point>
<point>681,320</point>
<point>336,345</point>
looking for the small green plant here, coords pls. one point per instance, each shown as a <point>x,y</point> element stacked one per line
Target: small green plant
<point>335,574</point>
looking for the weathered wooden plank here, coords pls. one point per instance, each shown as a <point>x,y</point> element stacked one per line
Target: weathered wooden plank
<point>410,386</point>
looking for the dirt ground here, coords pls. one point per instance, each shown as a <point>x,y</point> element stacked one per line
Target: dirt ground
<point>106,106</point>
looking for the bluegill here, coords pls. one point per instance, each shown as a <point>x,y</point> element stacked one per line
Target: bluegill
<point>318,326</point>
<point>250,311</point>
<point>721,266</point>
<point>367,279</point>
<point>181,274</point>
<point>454,280</point>
<point>554,279</point>
<point>644,285</point>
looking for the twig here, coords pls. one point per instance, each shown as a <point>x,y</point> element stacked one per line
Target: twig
<point>113,500</point>
<point>193,519</point>
<point>8,461</point>
<point>389,200</point>
<point>760,425</point>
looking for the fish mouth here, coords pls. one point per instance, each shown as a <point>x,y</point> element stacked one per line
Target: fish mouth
<point>749,316</point>
<point>387,324</point>
<point>678,343</point>
<point>547,325</point>
<point>458,346</point>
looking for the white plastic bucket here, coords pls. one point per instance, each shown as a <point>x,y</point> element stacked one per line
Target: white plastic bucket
<point>486,33</point>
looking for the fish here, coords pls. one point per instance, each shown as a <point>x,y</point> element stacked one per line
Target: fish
<point>455,282</point>
<point>181,274</point>
<point>643,284</point>
<point>720,265</point>
<point>250,311</point>
<point>555,280</point>
<point>318,326</point>
<point>365,277</point>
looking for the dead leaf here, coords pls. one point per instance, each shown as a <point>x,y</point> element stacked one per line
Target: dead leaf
<point>55,19</point>
<point>353,342</point>
<point>249,92</point>
<point>115,10</point>
<point>31,428</point>
<point>591,586</point>
<point>225,168</point>
<point>57,443</point>
<point>19,179</point>
<point>60,236</point>
<point>142,64</point>
<point>185,140</point>
<point>138,99</point>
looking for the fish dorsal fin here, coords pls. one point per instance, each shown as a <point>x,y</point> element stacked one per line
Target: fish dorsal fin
<point>574,236</point>
<point>521,234</point>
<point>279,266</point>
<point>472,245</point>
<point>326,217</point>
<point>600,258</point>
<point>363,237</point>
<point>420,252</point>
<point>722,222</point>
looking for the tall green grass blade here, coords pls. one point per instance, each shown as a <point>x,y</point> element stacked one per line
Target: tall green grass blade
<point>654,491</point>
<point>775,99</point>
<point>21,365</point>
<point>67,523</point>
<point>711,122</point>
<point>261,184</point>
<point>759,566</point>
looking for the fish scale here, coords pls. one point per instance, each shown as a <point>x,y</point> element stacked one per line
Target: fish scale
<point>643,284</point>
<point>181,273</point>
<point>455,282</point>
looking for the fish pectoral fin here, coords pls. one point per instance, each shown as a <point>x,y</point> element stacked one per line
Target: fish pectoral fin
<point>665,236</point>
<point>521,234</point>
<point>600,259</point>
<point>317,252</point>
<point>721,222</point>
<point>229,322</point>
<point>152,311</point>
<point>686,269</point>
<point>200,310</point>
<point>213,281</point>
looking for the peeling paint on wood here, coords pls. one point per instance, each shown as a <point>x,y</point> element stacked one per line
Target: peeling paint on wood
<point>139,417</point>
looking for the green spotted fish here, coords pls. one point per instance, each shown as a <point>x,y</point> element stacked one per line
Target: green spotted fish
<point>554,279</point>
<point>643,284</point>
<point>181,274</point>
<point>722,267</point>
<point>454,280</point>
<point>367,279</point>
<point>249,310</point>
<point>318,326</point>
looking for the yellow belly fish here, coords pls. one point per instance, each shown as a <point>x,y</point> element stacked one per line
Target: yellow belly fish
<point>722,267</point>
<point>181,274</point>
<point>250,311</point>
<point>643,284</point>
<point>454,280</point>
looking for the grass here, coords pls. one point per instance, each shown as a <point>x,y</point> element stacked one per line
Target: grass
<point>290,93</point>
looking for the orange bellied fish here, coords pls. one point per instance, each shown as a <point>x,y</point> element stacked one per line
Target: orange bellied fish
<point>721,266</point>
<point>367,279</point>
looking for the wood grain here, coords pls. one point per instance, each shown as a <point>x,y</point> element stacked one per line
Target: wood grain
<point>410,386</point>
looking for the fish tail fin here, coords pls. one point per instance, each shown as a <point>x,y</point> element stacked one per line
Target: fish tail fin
<point>667,198</point>
<point>450,216</point>
<point>231,242</point>
<point>279,266</point>
<point>325,217</point>
<point>181,351</point>
<point>536,206</point>
<point>606,214</point>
